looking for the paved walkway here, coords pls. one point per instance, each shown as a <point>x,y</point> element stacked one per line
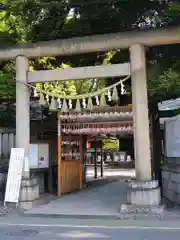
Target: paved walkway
<point>110,172</point>
<point>102,201</point>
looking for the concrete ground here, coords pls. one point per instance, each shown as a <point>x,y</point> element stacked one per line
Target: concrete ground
<point>47,233</point>
<point>103,196</point>
<point>109,175</point>
<point>101,199</point>
<point>17,228</point>
<point>104,200</point>
<point>110,172</point>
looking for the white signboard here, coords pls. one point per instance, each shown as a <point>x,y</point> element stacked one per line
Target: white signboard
<point>14,176</point>
<point>39,155</point>
<point>33,156</point>
<point>43,155</point>
<point>172,135</point>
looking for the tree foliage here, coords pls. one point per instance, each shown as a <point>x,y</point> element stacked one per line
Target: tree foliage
<point>42,20</point>
<point>111,144</point>
<point>163,84</point>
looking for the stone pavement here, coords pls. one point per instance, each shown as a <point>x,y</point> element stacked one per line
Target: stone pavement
<point>101,201</point>
<point>102,197</point>
<point>110,172</point>
<point>11,209</point>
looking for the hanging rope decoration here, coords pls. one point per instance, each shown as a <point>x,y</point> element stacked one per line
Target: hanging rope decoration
<point>82,101</point>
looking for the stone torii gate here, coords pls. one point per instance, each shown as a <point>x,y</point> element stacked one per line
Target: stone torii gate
<point>136,42</point>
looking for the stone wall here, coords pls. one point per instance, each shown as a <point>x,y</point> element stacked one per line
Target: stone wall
<point>171,179</point>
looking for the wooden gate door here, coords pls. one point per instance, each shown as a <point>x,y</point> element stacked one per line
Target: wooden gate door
<point>71,166</point>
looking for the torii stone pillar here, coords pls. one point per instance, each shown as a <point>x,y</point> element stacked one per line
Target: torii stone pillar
<point>29,187</point>
<point>22,108</point>
<point>140,113</point>
<point>144,191</point>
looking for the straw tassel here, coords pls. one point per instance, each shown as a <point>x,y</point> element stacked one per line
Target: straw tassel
<point>90,105</point>
<point>65,106</point>
<point>102,100</point>
<point>53,105</point>
<point>78,106</point>
<point>41,99</point>
<point>115,96</point>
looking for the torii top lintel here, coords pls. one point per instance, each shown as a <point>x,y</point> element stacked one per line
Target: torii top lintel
<point>92,43</point>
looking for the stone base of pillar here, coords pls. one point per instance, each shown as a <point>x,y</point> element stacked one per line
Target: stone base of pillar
<point>29,193</point>
<point>143,198</point>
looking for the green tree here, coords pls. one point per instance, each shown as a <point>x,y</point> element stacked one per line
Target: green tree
<point>32,21</point>
<point>111,144</point>
<point>163,84</point>
<point>7,85</point>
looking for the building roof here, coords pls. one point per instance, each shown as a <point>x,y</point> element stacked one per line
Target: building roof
<point>168,106</point>
<point>171,104</point>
